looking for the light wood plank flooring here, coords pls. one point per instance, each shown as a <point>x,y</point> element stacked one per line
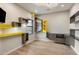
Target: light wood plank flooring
<point>44,48</point>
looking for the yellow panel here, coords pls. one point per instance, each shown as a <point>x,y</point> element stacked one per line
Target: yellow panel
<point>11,34</point>
<point>44,29</point>
<point>3,26</point>
<point>33,14</point>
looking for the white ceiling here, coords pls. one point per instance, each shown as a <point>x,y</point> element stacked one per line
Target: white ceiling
<point>32,7</point>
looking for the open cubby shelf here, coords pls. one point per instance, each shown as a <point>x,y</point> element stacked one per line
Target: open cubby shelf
<point>75,29</point>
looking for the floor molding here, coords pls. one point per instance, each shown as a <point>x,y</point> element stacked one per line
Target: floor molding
<point>75,50</point>
<point>12,50</point>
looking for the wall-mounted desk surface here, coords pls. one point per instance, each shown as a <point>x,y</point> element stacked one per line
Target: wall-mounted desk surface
<point>10,41</point>
<point>5,26</point>
<point>10,34</point>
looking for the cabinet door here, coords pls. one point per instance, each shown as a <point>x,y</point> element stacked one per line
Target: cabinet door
<point>72,37</point>
<point>24,38</point>
<point>72,33</point>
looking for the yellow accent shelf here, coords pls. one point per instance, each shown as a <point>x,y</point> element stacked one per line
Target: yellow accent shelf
<point>10,34</point>
<point>4,26</point>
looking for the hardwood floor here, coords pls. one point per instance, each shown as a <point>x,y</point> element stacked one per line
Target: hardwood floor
<point>44,48</point>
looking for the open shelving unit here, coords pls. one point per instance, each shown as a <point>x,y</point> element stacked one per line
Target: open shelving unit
<point>74,28</point>
<point>28,24</point>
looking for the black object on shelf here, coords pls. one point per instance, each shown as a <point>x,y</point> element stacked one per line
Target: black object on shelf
<point>2,15</point>
<point>16,24</point>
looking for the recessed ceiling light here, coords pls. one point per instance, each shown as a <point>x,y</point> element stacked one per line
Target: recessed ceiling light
<point>62,5</point>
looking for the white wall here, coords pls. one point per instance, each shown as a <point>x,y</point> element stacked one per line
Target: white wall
<point>14,11</point>
<point>73,10</point>
<point>57,22</point>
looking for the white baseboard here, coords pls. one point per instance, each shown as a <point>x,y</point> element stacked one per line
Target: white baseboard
<point>12,50</point>
<point>75,50</point>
